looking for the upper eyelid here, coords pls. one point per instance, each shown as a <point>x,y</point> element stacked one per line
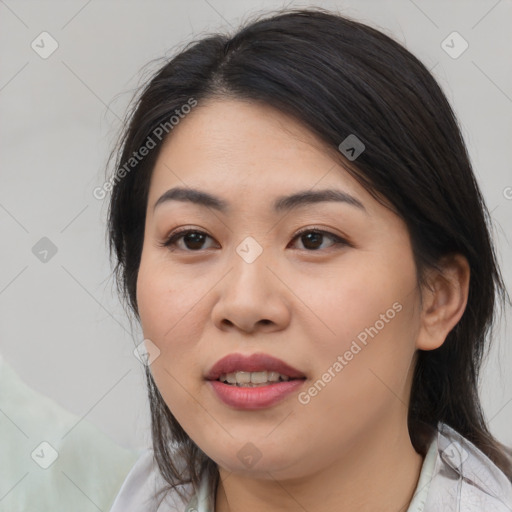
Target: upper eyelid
<point>180,232</point>
<point>185,230</point>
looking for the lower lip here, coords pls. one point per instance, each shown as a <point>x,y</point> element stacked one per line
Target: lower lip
<point>258,397</point>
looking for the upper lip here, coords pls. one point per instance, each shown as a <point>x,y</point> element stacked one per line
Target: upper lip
<point>251,363</point>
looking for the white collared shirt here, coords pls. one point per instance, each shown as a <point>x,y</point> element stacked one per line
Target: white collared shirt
<point>455,477</point>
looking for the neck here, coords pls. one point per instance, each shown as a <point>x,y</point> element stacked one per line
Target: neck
<point>379,473</point>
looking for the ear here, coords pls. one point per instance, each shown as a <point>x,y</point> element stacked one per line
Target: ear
<point>444,299</point>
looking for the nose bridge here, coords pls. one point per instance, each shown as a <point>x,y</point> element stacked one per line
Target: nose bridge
<point>251,296</point>
<point>249,250</point>
<point>248,292</point>
<point>250,264</point>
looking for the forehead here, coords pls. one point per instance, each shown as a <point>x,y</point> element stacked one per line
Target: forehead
<point>234,147</point>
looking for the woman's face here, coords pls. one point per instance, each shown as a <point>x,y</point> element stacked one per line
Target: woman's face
<point>341,308</point>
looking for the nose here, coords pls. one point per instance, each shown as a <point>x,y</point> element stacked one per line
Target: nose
<point>252,297</point>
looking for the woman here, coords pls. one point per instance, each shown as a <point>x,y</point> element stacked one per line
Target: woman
<point>298,229</point>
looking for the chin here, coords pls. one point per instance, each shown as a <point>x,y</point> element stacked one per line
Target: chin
<point>253,463</point>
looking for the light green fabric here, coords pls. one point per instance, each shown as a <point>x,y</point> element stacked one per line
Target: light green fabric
<point>89,468</point>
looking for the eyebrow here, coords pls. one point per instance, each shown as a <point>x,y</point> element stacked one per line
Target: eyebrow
<point>281,204</point>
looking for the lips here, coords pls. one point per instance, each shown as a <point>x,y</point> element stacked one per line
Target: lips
<point>253,363</point>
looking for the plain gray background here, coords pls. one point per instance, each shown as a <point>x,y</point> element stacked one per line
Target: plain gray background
<point>61,326</point>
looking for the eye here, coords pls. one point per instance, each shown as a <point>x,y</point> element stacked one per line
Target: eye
<point>312,238</point>
<point>194,239</point>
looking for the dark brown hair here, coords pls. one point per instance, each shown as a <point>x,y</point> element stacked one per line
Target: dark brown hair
<point>337,77</point>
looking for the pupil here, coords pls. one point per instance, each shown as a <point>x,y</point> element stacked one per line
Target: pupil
<point>194,238</point>
<point>318,237</point>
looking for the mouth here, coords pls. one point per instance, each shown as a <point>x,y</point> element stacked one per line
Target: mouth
<point>254,379</point>
<point>252,371</point>
<point>258,381</point>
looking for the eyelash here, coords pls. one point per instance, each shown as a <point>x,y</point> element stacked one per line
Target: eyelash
<point>179,234</point>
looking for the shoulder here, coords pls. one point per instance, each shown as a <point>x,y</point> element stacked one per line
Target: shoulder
<point>139,490</point>
<point>465,479</point>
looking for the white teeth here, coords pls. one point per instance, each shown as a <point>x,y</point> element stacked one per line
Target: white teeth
<point>251,379</point>
<point>243,377</point>
<point>258,377</point>
<point>273,376</point>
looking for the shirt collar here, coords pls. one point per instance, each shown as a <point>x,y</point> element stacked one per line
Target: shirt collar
<point>204,499</point>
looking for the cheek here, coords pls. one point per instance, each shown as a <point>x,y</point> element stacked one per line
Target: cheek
<point>164,309</point>
<point>369,320</point>
<point>363,368</point>
<point>170,305</point>
<point>161,306</point>
<point>153,300</point>
<point>165,300</point>
<point>366,298</point>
